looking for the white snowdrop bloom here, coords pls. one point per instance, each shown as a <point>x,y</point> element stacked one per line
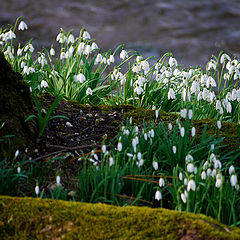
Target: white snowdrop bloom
<point>158,195</point>
<point>58,180</point>
<point>11,35</point>
<point>183,113</point>
<point>190,114</point>
<point>31,70</point>
<point>183,197</point>
<point>212,65</point>
<point>19,52</point>
<point>123,54</point>
<point>205,165</point>
<point>218,105</point>
<point>111,161</point>
<point>71,38</point>
<point>193,131</point>
<point>229,107</point>
<point>203,175</point>
<point>80,48</point>
<point>152,133</point>
<point>44,84</point>
<point>217,164</point>
<point>111,59</point>
<point>68,124</point>
<point>139,156</point>
<point>89,91</point>
<point>18,169</point>
<point>98,59</point>
<point>94,46</point>
<point>140,163</point>
<point>172,62</point>
<point>189,158</point>
<point>228,96</point>
<point>209,172</point>
<point>190,167</point>
<point>218,181</point>
<point>145,66</point>
<point>155,165</point>
<point>156,113</point>
<point>170,126</point>
<point>134,144</point>
<point>87,49</point>
<point>119,146</point>
<point>195,87</point>
<point>231,170</point>
<point>176,72</point>
<point>180,176</point>
<point>86,36</point>
<point>212,146</point>
<point>214,173</point>
<point>171,94</point>
<point>145,136</point>
<point>211,82</point>
<point>139,90</point>
<point>25,70</point>
<point>161,182</point>
<point>37,191</point>
<point>234,94</point>
<point>60,37</point>
<point>213,158</point>
<point>191,185</point>
<point>185,181</point>
<point>71,50</point>
<point>211,96</point>
<point>174,148</point>
<point>81,78</point>
<point>182,131</point>
<point>52,51</point>
<point>233,180</point>
<point>62,55</point>
<point>16,154</point>
<point>219,124</point>
<point>22,26</point>
<point>224,57</point>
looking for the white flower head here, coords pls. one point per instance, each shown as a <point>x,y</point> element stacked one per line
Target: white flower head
<point>203,175</point>
<point>58,180</point>
<point>191,185</point>
<point>22,26</point>
<point>231,170</point>
<point>119,146</point>
<point>161,182</point>
<point>111,161</point>
<point>155,165</point>
<point>158,195</point>
<point>193,131</point>
<point>183,197</point>
<point>37,191</point>
<point>174,148</point>
<point>219,124</point>
<point>44,84</point>
<point>123,54</point>
<point>89,91</point>
<point>86,36</point>
<point>233,180</point>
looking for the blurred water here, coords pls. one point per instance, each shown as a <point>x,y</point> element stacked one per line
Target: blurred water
<point>192,30</point>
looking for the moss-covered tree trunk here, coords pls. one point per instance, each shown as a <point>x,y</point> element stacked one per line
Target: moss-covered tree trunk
<point>16,105</point>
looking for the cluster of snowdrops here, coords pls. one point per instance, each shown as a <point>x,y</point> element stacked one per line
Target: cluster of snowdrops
<point>151,162</point>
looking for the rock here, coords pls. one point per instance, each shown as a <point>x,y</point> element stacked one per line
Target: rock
<point>34,218</point>
<point>16,105</point>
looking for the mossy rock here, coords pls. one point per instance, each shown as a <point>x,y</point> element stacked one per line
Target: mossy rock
<point>29,218</point>
<point>16,105</point>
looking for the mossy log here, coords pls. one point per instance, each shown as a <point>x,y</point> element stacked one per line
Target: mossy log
<point>16,105</point>
<point>29,218</point>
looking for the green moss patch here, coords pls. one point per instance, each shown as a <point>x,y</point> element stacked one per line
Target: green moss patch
<point>29,218</point>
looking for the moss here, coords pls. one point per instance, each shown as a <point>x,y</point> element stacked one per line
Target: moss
<point>28,218</point>
<point>16,105</point>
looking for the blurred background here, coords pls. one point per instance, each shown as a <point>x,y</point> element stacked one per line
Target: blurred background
<point>192,30</point>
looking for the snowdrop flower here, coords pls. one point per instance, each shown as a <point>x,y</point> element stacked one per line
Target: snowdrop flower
<point>203,175</point>
<point>52,51</point>
<point>174,148</point>
<point>190,114</point>
<point>182,131</point>
<point>171,94</point>
<point>209,172</point>
<point>218,181</point>
<point>111,161</point>
<point>87,50</point>
<point>155,165</point>
<point>18,169</point>
<point>185,181</point>
<point>19,52</point>
<point>98,59</point>
<point>231,170</point>
<point>104,148</point>
<point>224,57</point>
<point>219,125</point>
<point>80,48</point>
<point>58,180</point>
<point>214,173</point>
<point>156,113</point>
<point>11,35</point>
<point>89,91</point>
<point>44,84</point>
<point>119,146</point>
<point>86,36</point>
<point>183,197</point>
<point>229,107</point>
<point>161,182</point>
<point>37,189</point>
<point>16,154</point>
<point>180,176</point>
<point>233,180</point>
<point>190,167</point>
<point>158,195</point>
<point>212,65</point>
<point>79,78</point>
<point>145,66</point>
<point>111,59</point>
<point>193,131</point>
<point>217,164</point>
<point>191,185</point>
<point>170,126</point>
<point>71,38</point>
<point>62,55</point>
<point>123,54</point>
<point>172,62</point>
<point>183,113</point>
<point>140,163</point>
<point>22,26</point>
